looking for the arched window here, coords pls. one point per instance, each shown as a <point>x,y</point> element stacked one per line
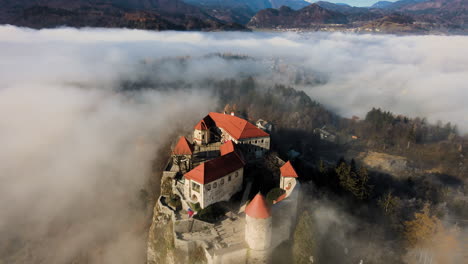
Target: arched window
<point>237,174</point>
<point>222,181</point>
<point>215,185</point>
<point>208,187</point>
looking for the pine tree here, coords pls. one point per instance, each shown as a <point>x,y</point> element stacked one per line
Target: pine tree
<point>347,177</point>
<point>363,187</point>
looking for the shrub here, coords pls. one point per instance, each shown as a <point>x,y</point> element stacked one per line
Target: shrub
<point>174,201</point>
<point>211,213</point>
<point>274,194</point>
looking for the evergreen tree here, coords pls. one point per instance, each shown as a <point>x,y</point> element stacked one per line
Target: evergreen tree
<point>363,187</point>
<point>347,177</point>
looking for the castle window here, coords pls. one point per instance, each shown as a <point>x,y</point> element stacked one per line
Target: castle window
<point>195,187</point>
<point>229,178</point>
<point>255,141</point>
<point>208,187</point>
<point>215,185</point>
<point>262,140</point>
<point>222,181</point>
<point>237,174</point>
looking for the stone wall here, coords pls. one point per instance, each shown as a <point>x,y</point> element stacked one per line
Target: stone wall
<point>233,255</point>
<point>191,225</point>
<point>255,148</point>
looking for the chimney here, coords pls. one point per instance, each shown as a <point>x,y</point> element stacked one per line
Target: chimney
<point>232,113</point>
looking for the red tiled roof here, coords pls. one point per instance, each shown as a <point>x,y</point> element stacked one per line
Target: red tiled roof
<point>204,124</point>
<point>183,147</point>
<point>258,208</point>
<point>237,127</point>
<point>227,147</point>
<point>279,199</point>
<point>201,125</point>
<point>215,168</point>
<point>287,170</point>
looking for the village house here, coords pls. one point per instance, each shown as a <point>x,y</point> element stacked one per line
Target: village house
<point>264,125</point>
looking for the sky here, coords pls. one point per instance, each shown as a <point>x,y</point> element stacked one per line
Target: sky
<point>355,2</point>
<point>76,151</point>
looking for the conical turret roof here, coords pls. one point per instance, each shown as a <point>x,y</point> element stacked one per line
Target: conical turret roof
<point>183,147</point>
<point>287,170</point>
<point>258,208</point>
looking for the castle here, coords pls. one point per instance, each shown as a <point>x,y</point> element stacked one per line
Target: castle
<point>250,233</point>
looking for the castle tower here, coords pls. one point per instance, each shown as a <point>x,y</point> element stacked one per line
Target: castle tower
<point>201,134</point>
<point>288,178</point>
<point>258,224</point>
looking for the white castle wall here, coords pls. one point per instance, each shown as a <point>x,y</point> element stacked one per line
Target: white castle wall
<point>226,187</point>
<point>201,136</point>
<point>288,184</point>
<point>258,232</point>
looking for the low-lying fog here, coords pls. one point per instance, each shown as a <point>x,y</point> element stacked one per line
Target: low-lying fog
<point>74,152</point>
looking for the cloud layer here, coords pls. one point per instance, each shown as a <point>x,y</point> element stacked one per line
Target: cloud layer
<point>75,152</point>
<point>414,75</point>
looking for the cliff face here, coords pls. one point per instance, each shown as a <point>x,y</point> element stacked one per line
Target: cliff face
<point>160,239</point>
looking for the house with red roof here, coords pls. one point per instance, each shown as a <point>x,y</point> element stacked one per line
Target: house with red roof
<point>253,141</point>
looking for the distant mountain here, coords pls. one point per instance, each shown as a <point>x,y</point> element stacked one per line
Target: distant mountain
<point>396,5</point>
<point>241,11</point>
<point>406,16</point>
<point>393,23</point>
<point>382,4</point>
<point>294,4</point>
<point>446,13</point>
<point>143,14</point>
<point>254,5</point>
<point>353,13</point>
<point>306,17</point>
<point>437,6</point>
